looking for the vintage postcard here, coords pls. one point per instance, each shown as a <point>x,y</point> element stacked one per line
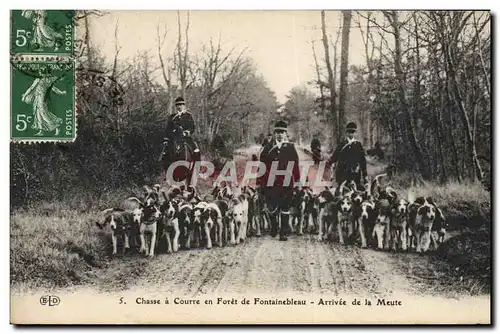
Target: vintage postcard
<point>250,167</point>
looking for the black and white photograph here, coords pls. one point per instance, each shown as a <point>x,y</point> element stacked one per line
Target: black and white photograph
<point>252,167</point>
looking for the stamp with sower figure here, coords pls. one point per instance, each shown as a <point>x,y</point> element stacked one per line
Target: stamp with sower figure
<point>42,76</point>
<point>48,32</point>
<point>43,99</point>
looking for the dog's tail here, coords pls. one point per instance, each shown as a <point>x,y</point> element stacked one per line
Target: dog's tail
<point>375,184</point>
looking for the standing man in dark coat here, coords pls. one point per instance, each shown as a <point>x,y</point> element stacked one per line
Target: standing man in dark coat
<point>349,158</point>
<point>315,144</point>
<point>278,194</point>
<point>316,148</point>
<point>268,140</point>
<point>181,123</point>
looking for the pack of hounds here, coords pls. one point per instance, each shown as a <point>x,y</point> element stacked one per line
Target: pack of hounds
<point>178,216</point>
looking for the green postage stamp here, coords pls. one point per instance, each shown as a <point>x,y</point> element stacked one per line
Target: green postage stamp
<point>42,31</point>
<point>42,100</point>
<point>42,76</point>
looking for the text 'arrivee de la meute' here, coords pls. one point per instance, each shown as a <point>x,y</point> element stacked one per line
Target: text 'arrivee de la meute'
<point>269,301</point>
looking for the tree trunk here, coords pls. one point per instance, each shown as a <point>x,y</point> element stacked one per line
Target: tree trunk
<point>320,82</point>
<point>87,42</point>
<point>450,130</point>
<point>417,150</point>
<point>331,80</point>
<point>344,68</point>
<point>463,113</point>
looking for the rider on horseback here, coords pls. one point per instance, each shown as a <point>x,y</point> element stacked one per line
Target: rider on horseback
<point>181,123</point>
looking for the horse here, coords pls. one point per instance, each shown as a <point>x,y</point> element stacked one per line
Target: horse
<point>177,150</point>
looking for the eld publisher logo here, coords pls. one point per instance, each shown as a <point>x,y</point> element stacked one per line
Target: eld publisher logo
<point>50,300</point>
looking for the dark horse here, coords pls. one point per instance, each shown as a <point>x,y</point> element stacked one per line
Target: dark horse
<point>177,150</point>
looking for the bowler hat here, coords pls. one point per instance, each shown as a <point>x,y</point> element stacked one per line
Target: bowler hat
<point>179,100</point>
<point>351,126</point>
<point>280,125</point>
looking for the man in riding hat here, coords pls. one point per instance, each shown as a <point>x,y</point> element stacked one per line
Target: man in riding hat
<point>182,120</point>
<point>316,148</point>
<point>349,158</point>
<point>278,195</point>
<point>268,140</point>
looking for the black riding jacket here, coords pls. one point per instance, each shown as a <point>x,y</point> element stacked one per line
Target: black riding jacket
<point>349,156</point>
<point>315,144</point>
<point>184,120</point>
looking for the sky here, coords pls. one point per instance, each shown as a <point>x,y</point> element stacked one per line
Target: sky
<point>279,42</point>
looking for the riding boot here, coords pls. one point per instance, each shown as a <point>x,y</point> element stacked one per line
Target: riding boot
<point>274,224</point>
<point>196,151</point>
<point>196,154</point>
<point>285,216</point>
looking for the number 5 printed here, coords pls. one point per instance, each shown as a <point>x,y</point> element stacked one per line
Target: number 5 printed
<point>22,122</point>
<point>21,37</point>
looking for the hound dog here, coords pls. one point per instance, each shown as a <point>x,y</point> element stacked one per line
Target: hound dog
<point>440,226</point>
<point>381,228</point>
<point>300,209</point>
<point>345,221</point>
<point>119,222</point>
<point>186,222</point>
<point>423,214</point>
<point>326,206</point>
<point>261,220</point>
<point>170,226</point>
<point>222,191</point>
<point>399,225</point>
<point>312,208</point>
<point>191,195</point>
<point>213,221</point>
<point>237,219</point>
<point>198,210</point>
<point>357,197</point>
<point>254,209</point>
<point>386,199</point>
<point>366,220</point>
<point>147,217</point>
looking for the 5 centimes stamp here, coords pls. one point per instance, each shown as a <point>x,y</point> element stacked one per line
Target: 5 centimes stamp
<point>42,32</point>
<point>42,99</point>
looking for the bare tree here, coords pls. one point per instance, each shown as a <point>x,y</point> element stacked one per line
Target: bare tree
<point>449,27</point>
<point>369,45</point>
<point>182,53</point>
<point>319,82</point>
<point>344,67</point>
<point>165,68</point>
<point>393,18</point>
<point>331,82</point>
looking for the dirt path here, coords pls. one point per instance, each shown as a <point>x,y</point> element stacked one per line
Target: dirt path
<point>302,264</point>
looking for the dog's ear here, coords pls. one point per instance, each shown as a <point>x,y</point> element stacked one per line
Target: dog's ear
<point>99,225</point>
<point>431,201</point>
